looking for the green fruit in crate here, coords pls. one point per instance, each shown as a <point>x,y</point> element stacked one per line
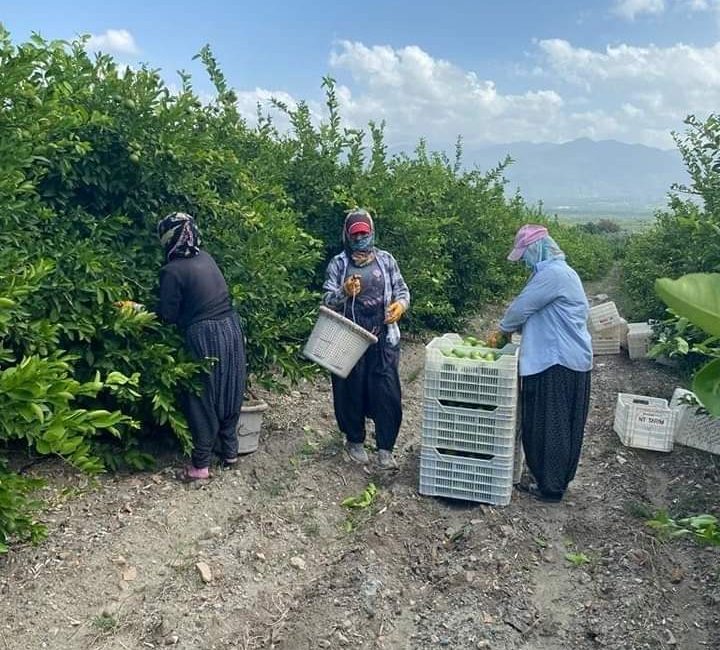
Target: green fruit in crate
<point>460,354</point>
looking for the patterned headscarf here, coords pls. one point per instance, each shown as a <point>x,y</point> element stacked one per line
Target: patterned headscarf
<point>179,235</point>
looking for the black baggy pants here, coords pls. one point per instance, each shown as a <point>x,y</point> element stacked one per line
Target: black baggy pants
<point>213,414</point>
<point>554,406</point>
<point>371,390</point>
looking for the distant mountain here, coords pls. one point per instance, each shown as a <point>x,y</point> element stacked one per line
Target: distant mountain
<point>586,176</point>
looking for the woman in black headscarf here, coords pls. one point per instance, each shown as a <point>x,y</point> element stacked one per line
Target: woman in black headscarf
<point>195,297</point>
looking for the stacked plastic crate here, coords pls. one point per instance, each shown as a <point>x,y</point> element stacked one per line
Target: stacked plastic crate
<point>469,422</point>
<point>607,329</point>
<point>638,340</point>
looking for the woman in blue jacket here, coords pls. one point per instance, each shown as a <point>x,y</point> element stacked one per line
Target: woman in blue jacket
<point>555,362</point>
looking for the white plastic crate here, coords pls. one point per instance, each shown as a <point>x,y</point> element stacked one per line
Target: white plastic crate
<point>516,338</point>
<point>605,346</point>
<point>644,422</point>
<point>469,380</point>
<point>477,430</point>
<point>462,477</point>
<point>609,340</point>
<point>638,338</point>
<point>604,316</point>
<point>519,464</point>
<point>693,429</point>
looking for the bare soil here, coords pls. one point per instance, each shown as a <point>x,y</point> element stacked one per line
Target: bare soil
<point>287,567</point>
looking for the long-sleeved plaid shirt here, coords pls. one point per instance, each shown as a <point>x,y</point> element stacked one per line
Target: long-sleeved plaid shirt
<point>395,288</point>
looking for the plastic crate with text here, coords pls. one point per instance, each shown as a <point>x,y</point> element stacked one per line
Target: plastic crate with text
<point>644,422</point>
<point>463,379</point>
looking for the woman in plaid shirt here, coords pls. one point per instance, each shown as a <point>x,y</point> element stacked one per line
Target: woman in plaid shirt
<point>364,284</point>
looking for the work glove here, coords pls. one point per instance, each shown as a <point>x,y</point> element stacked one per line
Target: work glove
<point>352,286</point>
<point>394,312</point>
<point>129,304</point>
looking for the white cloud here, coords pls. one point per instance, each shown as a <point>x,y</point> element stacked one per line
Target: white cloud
<point>630,93</point>
<point>417,94</point>
<point>113,41</point>
<point>654,87</point>
<point>629,9</point>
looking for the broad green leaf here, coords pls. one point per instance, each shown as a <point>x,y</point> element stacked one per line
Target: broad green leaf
<point>696,297</point>
<point>706,385</point>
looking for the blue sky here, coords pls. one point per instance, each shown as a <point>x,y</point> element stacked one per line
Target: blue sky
<point>493,71</point>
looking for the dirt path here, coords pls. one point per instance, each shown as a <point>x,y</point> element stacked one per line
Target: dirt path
<point>292,570</point>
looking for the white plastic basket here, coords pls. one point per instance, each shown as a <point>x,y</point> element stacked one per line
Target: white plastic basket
<point>693,429</point>
<point>604,316</point>
<point>336,343</point>
<point>638,338</point>
<point>477,430</point>
<point>644,422</point>
<point>463,477</point>
<point>492,383</point>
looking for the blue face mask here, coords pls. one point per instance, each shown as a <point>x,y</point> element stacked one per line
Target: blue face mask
<point>364,243</point>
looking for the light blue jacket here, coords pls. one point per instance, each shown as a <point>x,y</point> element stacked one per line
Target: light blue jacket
<point>551,312</point>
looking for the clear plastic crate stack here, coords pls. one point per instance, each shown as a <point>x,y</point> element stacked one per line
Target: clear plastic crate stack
<point>469,422</point>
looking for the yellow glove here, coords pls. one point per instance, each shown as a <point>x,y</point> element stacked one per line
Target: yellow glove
<point>497,339</point>
<point>394,312</point>
<point>352,286</point>
<point>128,304</point>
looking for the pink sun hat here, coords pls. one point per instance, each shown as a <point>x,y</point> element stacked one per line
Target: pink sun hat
<point>528,234</point>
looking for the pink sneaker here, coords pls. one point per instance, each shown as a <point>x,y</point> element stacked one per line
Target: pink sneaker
<point>190,473</point>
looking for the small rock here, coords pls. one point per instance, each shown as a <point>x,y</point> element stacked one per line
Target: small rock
<point>129,574</point>
<point>260,557</point>
<point>347,624</point>
<point>214,531</point>
<point>205,572</point>
<point>173,639</point>
<point>120,560</point>
<point>297,563</point>
<point>677,575</point>
<point>342,639</point>
<point>671,640</point>
<point>324,643</point>
<point>469,576</point>
<point>483,643</point>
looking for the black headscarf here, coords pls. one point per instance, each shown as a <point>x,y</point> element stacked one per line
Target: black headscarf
<point>179,235</point>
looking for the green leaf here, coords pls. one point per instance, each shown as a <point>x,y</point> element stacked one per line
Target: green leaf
<point>696,297</point>
<point>706,385</point>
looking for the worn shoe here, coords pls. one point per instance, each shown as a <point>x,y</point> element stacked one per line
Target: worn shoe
<point>534,491</point>
<point>357,452</point>
<point>230,463</point>
<point>191,474</point>
<point>386,460</point>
